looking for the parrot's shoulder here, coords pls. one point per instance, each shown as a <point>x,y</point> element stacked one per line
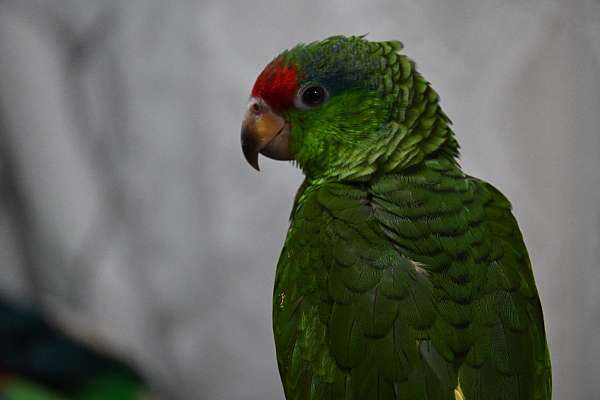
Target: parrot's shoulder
<point>462,230</point>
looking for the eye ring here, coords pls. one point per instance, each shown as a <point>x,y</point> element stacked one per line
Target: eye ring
<point>310,96</point>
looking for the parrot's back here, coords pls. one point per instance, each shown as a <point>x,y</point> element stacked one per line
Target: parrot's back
<point>412,285</point>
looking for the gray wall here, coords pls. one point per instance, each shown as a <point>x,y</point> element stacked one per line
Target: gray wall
<point>127,209</point>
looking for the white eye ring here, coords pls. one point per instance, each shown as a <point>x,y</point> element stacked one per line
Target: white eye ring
<point>311,95</point>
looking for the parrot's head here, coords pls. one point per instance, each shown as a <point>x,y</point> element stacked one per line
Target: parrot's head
<point>344,108</point>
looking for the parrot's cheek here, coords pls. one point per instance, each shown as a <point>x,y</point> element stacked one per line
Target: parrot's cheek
<point>264,132</point>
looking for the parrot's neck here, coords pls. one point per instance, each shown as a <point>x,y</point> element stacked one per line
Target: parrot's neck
<point>399,146</point>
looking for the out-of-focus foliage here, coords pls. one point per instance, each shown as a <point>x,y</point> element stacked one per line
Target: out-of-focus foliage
<point>39,362</point>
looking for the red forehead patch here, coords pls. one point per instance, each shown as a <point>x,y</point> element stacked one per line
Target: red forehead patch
<point>277,85</point>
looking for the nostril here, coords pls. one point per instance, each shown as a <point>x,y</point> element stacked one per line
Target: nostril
<point>255,108</point>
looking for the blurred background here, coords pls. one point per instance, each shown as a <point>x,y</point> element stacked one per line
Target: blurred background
<point>129,216</point>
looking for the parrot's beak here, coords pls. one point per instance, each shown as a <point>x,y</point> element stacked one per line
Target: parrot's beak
<point>265,132</point>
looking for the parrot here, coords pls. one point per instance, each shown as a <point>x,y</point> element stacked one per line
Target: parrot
<point>401,276</point>
<point>40,362</point>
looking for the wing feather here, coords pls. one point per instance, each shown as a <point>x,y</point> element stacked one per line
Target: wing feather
<point>411,286</point>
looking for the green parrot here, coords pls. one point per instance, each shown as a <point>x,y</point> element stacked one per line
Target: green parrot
<point>401,276</point>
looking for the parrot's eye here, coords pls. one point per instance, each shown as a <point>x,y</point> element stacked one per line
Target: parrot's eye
<point>311,96</point>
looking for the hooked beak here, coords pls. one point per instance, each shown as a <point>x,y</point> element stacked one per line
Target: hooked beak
<point>265,132</point>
